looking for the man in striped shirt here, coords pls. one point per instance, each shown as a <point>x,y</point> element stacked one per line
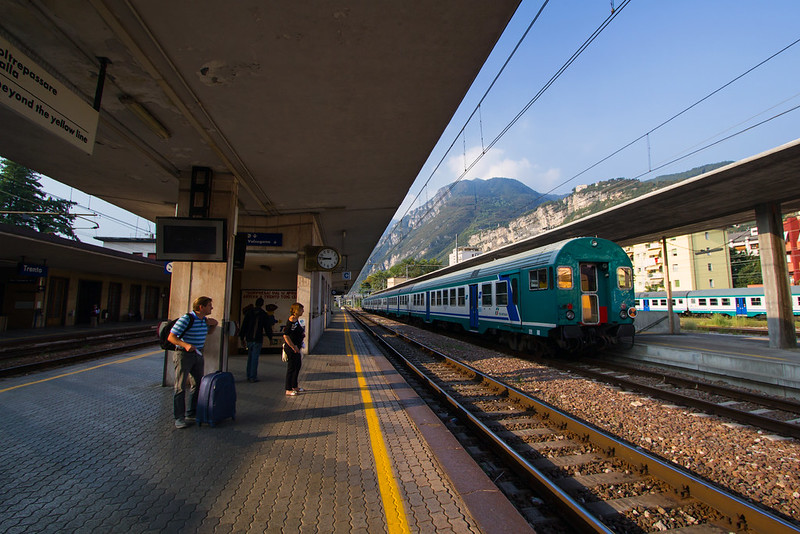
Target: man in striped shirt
<point>190,339</point>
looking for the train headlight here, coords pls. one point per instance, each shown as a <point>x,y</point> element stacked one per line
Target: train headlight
<point>570,315</point>
<point>631,312</point>
<point>623,314</point>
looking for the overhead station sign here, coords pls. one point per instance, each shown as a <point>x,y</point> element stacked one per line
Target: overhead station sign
<point>34,93</point>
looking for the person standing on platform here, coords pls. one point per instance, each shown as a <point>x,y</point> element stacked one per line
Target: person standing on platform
<point>188,358</point>
<point>293,335</point>
<point>255,324</point>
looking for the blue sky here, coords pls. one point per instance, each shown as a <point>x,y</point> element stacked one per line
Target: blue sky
<point>652,61</point>
<point>655,59</point>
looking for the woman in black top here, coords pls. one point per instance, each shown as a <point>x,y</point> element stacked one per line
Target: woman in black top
<point>293,335</point>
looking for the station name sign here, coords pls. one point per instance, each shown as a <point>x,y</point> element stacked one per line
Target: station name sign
<point>264,240</point>
<point>34,93</point>
<point>29,269</point>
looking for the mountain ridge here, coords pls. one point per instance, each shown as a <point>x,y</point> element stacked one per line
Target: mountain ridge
<point>489,214</point>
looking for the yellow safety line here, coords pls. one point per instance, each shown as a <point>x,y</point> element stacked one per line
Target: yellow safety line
<point>82,370</point>
<point>390,492</point>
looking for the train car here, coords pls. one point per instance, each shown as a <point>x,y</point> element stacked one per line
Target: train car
<point>734,302</point>
<point>573,294</point>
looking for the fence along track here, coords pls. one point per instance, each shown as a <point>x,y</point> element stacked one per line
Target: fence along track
<point>568,460</point>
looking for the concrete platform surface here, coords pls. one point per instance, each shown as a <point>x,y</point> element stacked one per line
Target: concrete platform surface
<point>93,448</point>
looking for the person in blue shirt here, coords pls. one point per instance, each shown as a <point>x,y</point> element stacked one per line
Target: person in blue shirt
<point>188,358</point>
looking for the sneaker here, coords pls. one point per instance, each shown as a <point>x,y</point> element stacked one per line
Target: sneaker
<point>190,419</point>
<point>299,390</point>
<point>180,423</point>
<point>291,393</point>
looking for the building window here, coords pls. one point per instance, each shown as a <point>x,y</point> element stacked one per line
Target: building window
<point>677,283</point>
<point>706,236</point>
<point>709,267</point>
<point>710,282</point>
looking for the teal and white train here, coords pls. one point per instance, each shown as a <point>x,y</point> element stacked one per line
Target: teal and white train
<point>573,294</point>
<point>734,302</point>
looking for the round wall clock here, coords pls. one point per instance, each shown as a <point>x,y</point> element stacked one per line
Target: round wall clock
<point>327,258</point>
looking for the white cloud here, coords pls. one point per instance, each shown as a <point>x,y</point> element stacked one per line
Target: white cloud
<point>495,163</point>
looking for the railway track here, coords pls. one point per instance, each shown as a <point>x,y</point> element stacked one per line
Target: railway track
<point>781,416</point>
<point>28,355</point>
<point>596,481</point>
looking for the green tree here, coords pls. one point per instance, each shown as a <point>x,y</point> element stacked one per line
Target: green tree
<point>745,269</point>
<point>409,267</point>
<point>23,203</point>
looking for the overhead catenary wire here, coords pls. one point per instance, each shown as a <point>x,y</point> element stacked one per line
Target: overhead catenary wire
<point>645,135</point>
<point>519,115</point>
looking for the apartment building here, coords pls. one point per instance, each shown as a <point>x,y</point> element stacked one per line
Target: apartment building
<point>695,261</point>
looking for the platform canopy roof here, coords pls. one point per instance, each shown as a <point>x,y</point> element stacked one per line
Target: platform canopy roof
<point>315,107</point>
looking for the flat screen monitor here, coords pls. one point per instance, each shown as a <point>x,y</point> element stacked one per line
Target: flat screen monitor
<point>185,239</point>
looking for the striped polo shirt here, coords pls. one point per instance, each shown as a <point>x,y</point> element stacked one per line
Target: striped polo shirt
<point>196,335</point>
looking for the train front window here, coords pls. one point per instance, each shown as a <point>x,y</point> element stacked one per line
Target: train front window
<point>565,277</point>
<point>591,312</point>
<point>624,277</point>
<point>588,277</point>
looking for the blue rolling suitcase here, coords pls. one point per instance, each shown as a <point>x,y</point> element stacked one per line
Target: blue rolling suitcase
<point>216,399</point>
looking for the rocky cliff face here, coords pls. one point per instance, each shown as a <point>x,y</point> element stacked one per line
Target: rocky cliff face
<point>584,200</point>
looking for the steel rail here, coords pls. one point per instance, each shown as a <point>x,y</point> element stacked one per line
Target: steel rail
<point>578,516</point>
<point>741,514</point>
<point>740,416</point>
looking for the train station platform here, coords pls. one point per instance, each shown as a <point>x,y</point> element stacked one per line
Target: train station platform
<point>743,360</point>
<point>93,448</point>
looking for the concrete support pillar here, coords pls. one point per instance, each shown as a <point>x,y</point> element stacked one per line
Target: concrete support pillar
<point>212,279</point>
<point>775,274</point>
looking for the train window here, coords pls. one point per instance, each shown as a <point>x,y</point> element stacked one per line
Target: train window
<point>538,279</point>
<point>486,297</point>
<point>588,277</point>
<point>713,302</point>
<point>564,277</point>
<point>726,302</point>
<point>445,299</point>
<point>461,298</point>
<point>663,302</point>
<point>624,277</point>
<point>755,301</point>
<point>514,291</point>
<point>438,298</point>
<point>591,311</point>
<point>701,302</point>
<point>501,292</point>
<point>452,297</point>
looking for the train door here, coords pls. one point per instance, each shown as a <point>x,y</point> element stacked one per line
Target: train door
<point>592,311</point>
<point>473,307</point>
<point>645,304</point>
<point>741,306</point>
<point>512,303</point>
<point>427,306</point>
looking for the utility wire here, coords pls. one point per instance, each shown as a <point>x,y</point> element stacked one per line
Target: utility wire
<point>519,115</point>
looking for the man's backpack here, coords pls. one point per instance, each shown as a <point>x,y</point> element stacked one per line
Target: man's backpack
<point>163,334</point>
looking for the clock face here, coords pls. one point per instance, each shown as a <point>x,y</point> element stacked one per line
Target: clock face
<point>327,258</point>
